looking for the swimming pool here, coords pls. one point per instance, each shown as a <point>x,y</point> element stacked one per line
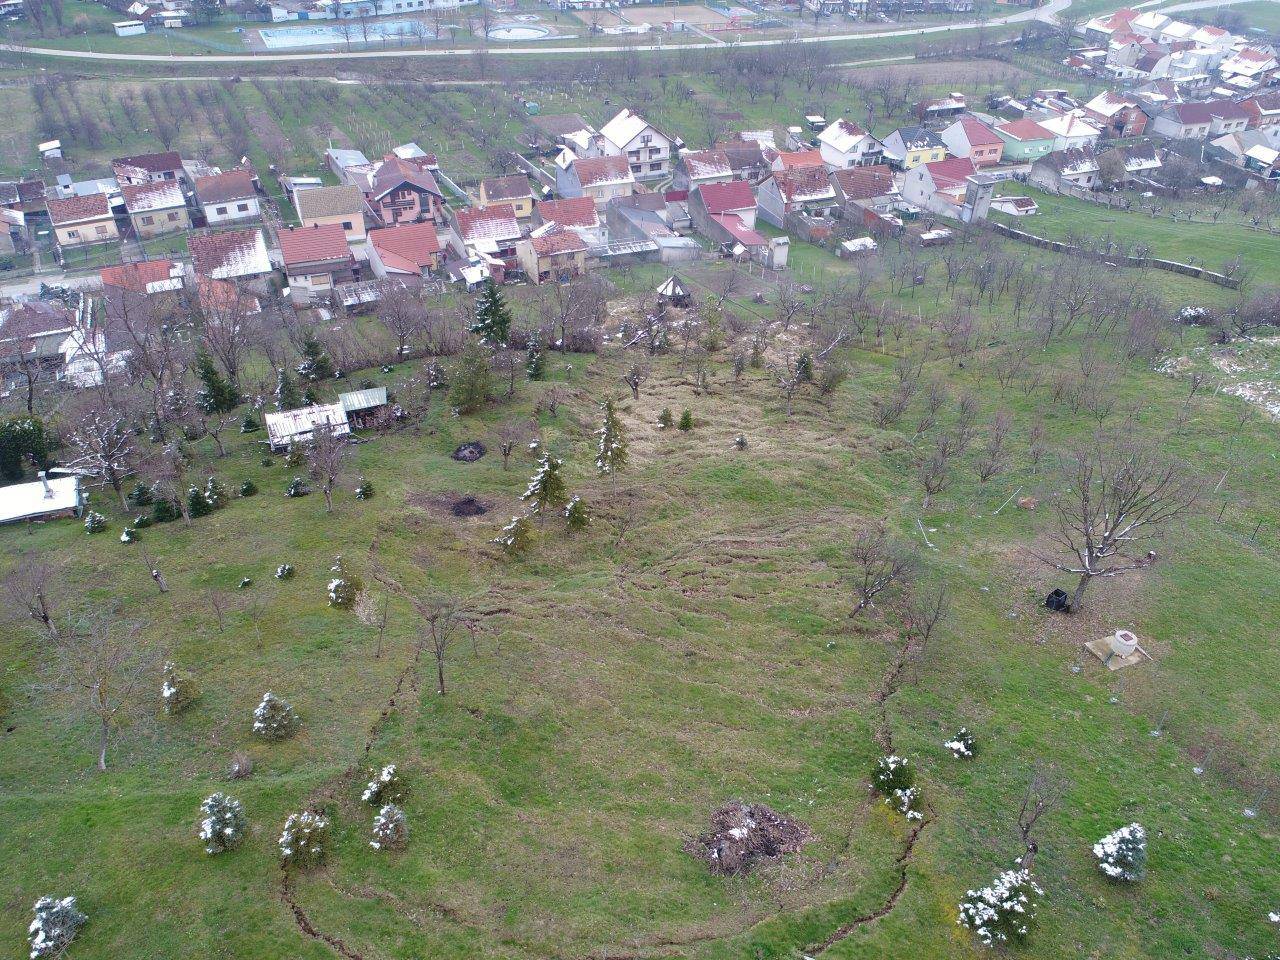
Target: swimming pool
<point>517,32</point>
<point>349,31</point>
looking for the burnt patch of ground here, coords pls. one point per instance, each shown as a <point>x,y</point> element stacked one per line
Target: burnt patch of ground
<point>743,835</point>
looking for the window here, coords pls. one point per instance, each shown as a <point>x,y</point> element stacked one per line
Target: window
<point>242,207</point>
<point>173,216</point>
<point>220,211</point>
<point>655,166</point>
<point>147,221</point>
<point>346,224</point>
<point>100,230</point>
<point>73,234</point>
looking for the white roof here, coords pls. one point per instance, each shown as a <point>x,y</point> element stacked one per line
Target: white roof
<point>363,399</point>
<point>347,158</point>
<point>407,151</point>
<point>1263,154</point>
<point>624,128</point>
<point>22,501</point>
<point>288,425</point>
<point>1069,125</point>
<point>1151,21</point>
<point>1179,30</point>
<point>859,244</point>
<point>842,135</point>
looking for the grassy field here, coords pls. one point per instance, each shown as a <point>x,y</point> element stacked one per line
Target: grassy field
<point>1263,14</point>
<point>1202,244</point>
<point>692,646</point>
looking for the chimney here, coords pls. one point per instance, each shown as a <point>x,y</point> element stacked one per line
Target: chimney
<point>48,490</point>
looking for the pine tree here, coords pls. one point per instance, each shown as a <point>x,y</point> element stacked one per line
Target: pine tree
<point>223,824</point>
<point>141,495</point>
<point>197,504</point>
<point>216,394</point>
<point>547,490</point>
<point>287,395</point>
<point>249,424</point>
<point>248,488</point>
<point>535,362</point>
<point>178,691</point>
<point>576,515</point>
<point>493,318</point>
<point>315,364</point>
<point>344,587</point>
<point>275,719</point>
<point>665,420</point>
<point>385,786</point>
<point>215,492</point>
<point>472,381</point>
<point>611,454</point>
<point>804,368</point>
<point>390,828</point>
<point>94,522</point>
<point>304,840</point>
<point>686,420</point>
<point>516,537</point>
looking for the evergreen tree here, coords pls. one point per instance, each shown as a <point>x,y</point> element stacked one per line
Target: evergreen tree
<point>385,786</point>
<point>141,495</point>
<point>535,362</point>
<point>21,439</point>
<point>686,420</point>
<point>804,368</point>
<point>216,395</point>
<point>215,492</point>
<point>390,828</point>
<point>516,537</point>
<point>547,490</point>
<point>178,691</point>
<point>576,515</point>
<point>493,318</point>
<point>315,364</point>
<point>165,510</point>
<point>472,380</point>
<point>223,824</point>
<point>665,420</point>
<point>94,522</point>
<point>197,504</point>
<point>344,587</point>
<point>248,488</point>
<point>288,396</point>
<point>304,840</point>
<point>611,453</point>
<point>275,719</point>
<point>249,424</point>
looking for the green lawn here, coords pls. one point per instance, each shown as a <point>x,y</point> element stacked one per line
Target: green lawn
<point>1263,14</point>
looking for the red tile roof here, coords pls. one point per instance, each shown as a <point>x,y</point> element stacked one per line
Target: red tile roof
<point>225,187</point>
<point>595,170</point>
<point>151,162</point>
<point>395,171</point>
<point>136,276</point>
<point>801,159</point>
<point>76,209</point>
<point>158,195</point>
<point>497,222</point>
<point>410,246</point>
<point>707,163</point>
<point>739,230</point>
<point>950,173</point>
<point>978,133</point>
<point>314,244</point>
<point>574,212</point>
<point>558,240</point>
<point>1024,130</point>
<point>727,197</point>
<point>213,253</point>
<point>863,183</point>
<point>513,187</point>
<point>803,183</point>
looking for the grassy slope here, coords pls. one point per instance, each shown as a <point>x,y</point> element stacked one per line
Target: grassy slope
<point>624,690</point>
<point>1263,15</point>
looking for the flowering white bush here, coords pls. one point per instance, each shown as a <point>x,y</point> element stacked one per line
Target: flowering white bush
<point>94,522</point>
<point>274,719</point>
<point>304,838</point>
<point>1122,854</point>
<point>962,745</point>
<point>177,691</point>
<point>390,828</point>
<point>56,924</point>
<point>223,824</point>
<point>387,786</point>
<point>1003,911</point>
<point>894,779</point>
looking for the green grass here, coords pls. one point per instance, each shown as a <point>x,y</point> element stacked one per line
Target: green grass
<point>690,649</point>
<point>1263,14</point>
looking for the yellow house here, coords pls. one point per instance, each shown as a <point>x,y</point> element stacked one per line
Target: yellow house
<point>343,205</point>
<point>514,190</point>
<point>552,253</point>
<point>79,221</point>
<point>909,147</point>
<point>156,208</point>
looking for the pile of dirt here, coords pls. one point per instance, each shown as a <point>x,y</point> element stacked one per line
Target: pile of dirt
<point>744,834</point>
<point>467,507</point>
<point>469,452</point>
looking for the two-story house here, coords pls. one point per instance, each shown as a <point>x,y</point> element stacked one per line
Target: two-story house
<point>404,191</point>
<point>156,208</point>
<point>1116,114</point>
<point>513,189</point>
<point>491,232</point>
<point>1070,132</point>
<point>578,214</point>
<point>80,221</point>
<point>406,251</point>
<point>601,178</point>
<point>970,137</point>
<point>1024,140</point>
<point>316,259</point>
<point>805,190</point>
<point>228,197</point>
<point>325,206</point>
<point>844,144</point>
<point>696,167</point>
<point>646,148</point>
<point>148,168</point>
<point>909,147</point>
<point>552,252</point>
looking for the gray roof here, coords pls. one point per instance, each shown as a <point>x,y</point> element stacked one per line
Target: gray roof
<point>363,399</point>
<point>329,202</point>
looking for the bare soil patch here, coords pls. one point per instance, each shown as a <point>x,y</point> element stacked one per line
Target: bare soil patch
<point>743,835</point>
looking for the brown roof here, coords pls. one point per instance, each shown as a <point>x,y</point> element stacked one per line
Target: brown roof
<point>558,240</point>
<point>707,163</point>
<point>329,202</point>
<point>135,277</point>
<point>151,162</point>
<point>800,159</point>
<point>803,183</point>
<point>497,222</point>
<point>158,195</point>
<point>228,250</point>
<point>1024,130</point>
<point>574,212</point>
<point>33,319</point>
<point>514,187</point>
<point>224,187</point>
<point>395,171</point>
<point>593,170</point>
<point>314,244</point>
<point>76,209</point>
<point>408,246</point>
<point>978,133</point>
<point>727,197</point>
<point>864,183</point>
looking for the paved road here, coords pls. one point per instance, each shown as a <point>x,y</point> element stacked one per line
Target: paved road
<point>1046,14</point>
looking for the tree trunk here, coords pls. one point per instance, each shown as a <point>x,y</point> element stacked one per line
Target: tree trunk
<point>103,732</point>
<point>1077,598</point>
<point>440,673</point>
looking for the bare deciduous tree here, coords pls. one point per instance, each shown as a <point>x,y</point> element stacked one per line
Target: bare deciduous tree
<point>512,434</point>
<point>1043,793</point>
<point>635,376</point>
<point>29,587</point>
<point>404,316</point>
<point>879,564</point>
<point>326,457</point>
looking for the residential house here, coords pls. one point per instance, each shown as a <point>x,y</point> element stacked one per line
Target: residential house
<point>796,159</point>
<point>552,252</point>
<point>804,190</point>
<point>404,190</point>
<point>1264,112</point>
<point>1149,24</point>
<point>1238,147</point>
<point>225,299</point>
<point>732,199</point>
<point>968,136</point>
<point>642,224</point>
<point>343,205</point>
<point>230,255</point>
<point>1140,160</point>
<point>64,342</point>
<point>941,108</point>
<point>601,178</point>
<point>696,167</point>
<point>513,190</point>
<point>646,148</point>
<point>578,214</point>
<point>1102,29</point>
<point>341,161</point>
<point>909,147</point>
<point>316,259</point>
<point>229,197</point>
<point>491,232</point>
<point>1024,140</point>
<point>1070,132</point>
<point>1248,63</point>
<point>156,208</point>
<point>1262,160</point>
<point>1116,114</point>
<point>1074,167</point>
<point>405,251</point>
<point>144,278</point>
<point>865,188</point>
<point>148,168</point>
<point>1214,38</point>
<point>1015,206</point>
<point>939,186</point>
<point>1196,121</point>
<point>22,196</point>
<point>559,130</point>
<point>80,221</point>
<point>844,144</point>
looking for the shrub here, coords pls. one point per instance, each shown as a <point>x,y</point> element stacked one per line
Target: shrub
<point>223,825</point>
<point>275,719</point>
<point>344,587</point>
<point>249,424</point>
<point>55,925</point>
<point>94,522</point>
<point>128,535</point>
<point>248,488</point>
<point>665,420</point>
<point>740,442</point>
<point>197,505</point>
<point>245,583</point>
<point>141,522</point>
<point>390,829</point>
<point>364,490</point>
<point>297,488</point>
<point>1122,854</point>
<point>894,779</point>
<point>387,786</point>
<point>166,510</point>
<point>1003,911</point>
<point>140,495</point>
<point>686,420</point>
<point>215,493</point>
<point>516,537</point>
<point>804,368</point>
<point>962,746</point>
<point>285,571</point>
<point>177,691</point>
<point>304,839</point>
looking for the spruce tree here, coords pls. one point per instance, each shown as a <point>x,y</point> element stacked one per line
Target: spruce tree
<point>546,491</point>
<point>288,396</point>
<point>611,454</point>
<point>223,824</point>
<point>275,719</point>
<point>178,691</point>
<point>576,515</point>
<point>304,840</point>
<point>390,828</point>
<point>216,394</point>
<point>535,362</point>
<point>516,537</point>
<point>315,364</point>
<point>493,318</point>
<point>472,380</point>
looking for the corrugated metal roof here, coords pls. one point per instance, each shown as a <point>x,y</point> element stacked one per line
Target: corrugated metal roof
<point>363,399</point>
<point>289,425</point>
